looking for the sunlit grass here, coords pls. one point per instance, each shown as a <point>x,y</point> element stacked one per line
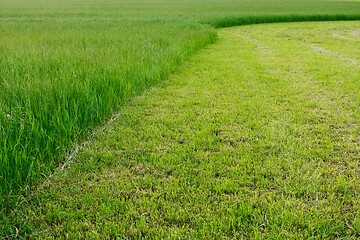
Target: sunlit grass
<point>255,137</point>
<point>67,66</point>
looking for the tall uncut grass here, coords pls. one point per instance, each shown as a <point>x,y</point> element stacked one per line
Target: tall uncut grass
<point>247,20</point>
<point>59,81</point>
<point>66,66</point>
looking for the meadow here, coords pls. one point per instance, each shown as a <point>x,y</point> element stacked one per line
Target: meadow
<point>57,82</point>
<point>67,66</point>
<point>253,138</point>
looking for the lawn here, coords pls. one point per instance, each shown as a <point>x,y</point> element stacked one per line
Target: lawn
<point>256,136</point>
<point>67,66</point>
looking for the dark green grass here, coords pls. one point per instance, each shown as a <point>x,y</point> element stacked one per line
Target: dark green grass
<point>248,20</point>
<point>59,81</point>
<point>256,137</point>
<point>66,66</point>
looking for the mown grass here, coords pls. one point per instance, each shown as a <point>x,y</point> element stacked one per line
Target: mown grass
<point>66,66</point>
<point>255,137</point>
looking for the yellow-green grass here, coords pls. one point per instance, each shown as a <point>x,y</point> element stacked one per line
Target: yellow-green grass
<point>257,136</point>
<point>66,66</point>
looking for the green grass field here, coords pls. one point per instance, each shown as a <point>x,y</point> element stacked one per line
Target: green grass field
<point>59,81</point>
<point>67,66</point>
<point>255,137</point>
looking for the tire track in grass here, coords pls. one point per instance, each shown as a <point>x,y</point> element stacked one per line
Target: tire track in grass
<point>329,103</point>
<point>322,107</point>
<point>328,93</point>
<point>294,95</point>
<point>331,54</point>
<point>237,144</point>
